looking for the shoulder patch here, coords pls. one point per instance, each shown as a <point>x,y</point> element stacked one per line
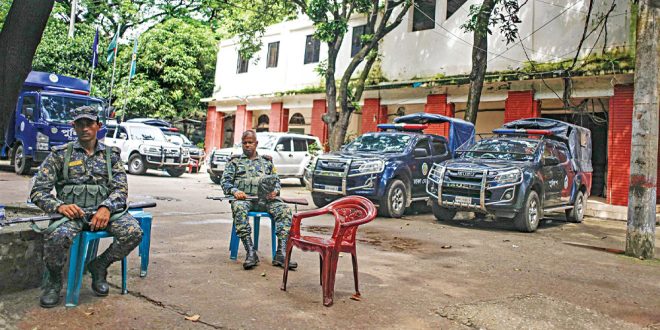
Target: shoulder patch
<point>268,158</point>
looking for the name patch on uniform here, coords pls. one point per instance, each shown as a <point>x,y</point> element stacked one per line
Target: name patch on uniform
<point>76,162</point>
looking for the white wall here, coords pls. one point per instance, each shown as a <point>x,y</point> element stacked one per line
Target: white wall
<point>547,32</point>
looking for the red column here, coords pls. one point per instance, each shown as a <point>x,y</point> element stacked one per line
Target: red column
<point>219,130</point>
<point>278,120</point>
<point>242,122</point>
<point>618,144</point>
<point>210,134</point>
<point>520,105</point>
<point>372,115</point>
<point>319,127</point>
<point>437,104</point>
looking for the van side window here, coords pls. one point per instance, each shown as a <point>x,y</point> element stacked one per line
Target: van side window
<point>439,147</point>
<point>423,144</point>
<point>286,142</point>
<point>29,102</point>
<point>299,145</point>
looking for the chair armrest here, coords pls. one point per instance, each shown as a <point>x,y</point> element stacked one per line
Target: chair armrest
<point>297,219</point>
<point>371,214</point>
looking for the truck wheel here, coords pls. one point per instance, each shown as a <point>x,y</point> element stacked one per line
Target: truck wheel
<point>527,220</point>
<point>319,200</point>
<point>441,213</point>
<point>175,172</point>
<point>394,203</point>
<point>136,165</point>
<point>215,178</point>
<point>22,163</point>
<point>576,214</point>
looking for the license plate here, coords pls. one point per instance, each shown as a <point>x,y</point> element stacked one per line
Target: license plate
<point>463,200</point>
<point>169,160</point>
<point>332,188</point>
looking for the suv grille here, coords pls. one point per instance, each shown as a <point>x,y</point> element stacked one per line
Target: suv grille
<point>331,165</point>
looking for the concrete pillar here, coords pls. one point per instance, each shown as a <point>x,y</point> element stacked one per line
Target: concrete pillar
<point>618,144</point>
<point>437,104</point>
<point>372,115</point>
<point>318,127</point>
<point>521,104</point>
<point>278,118</point>
<point>242,122</point>
<point>214,129</point>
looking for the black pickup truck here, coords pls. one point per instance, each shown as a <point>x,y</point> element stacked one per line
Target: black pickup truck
<point>528,167</point>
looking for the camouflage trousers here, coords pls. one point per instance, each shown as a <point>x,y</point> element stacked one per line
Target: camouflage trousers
<point>277,209</point>
<point>126,231</point>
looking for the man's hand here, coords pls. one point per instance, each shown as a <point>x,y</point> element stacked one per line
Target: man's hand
<point>240,195</point>
<point>100,219</point>
<point>271,195</point>
<point>71,211</point>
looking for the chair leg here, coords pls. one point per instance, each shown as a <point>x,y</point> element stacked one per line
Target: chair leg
<point>233,243</point>
<point>273,238</point>
<point>257,223</point>
<point>124,275</point>
<point>329,270</point>
<point>321,269</point>
<point>355,273</point>
<point>71,283</point>
<point>145,244</point>
<point>287,258</point>
<point>80,267</point>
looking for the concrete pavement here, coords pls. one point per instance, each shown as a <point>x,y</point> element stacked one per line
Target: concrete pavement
<point>414,273</point>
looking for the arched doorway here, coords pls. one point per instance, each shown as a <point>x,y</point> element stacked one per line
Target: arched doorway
<point>228,131</point>
<point>297,123</point>
<point>262,123</point>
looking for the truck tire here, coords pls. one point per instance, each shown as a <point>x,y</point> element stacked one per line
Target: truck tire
<point>394,202</point>
<point>320,200</point>
<point>527,220</point>
<point>215,178</point>
<point>22,163</point>
<point>136,164</point>
<point>442,213</point>
<point>175,172</point>
<point>576,214</point>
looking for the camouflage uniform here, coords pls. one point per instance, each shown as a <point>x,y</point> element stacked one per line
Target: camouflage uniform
<point>92,170</point>
<point>242,168</point>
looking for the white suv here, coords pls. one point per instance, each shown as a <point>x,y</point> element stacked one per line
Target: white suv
<point>144,146</point>
<point>289,151</point>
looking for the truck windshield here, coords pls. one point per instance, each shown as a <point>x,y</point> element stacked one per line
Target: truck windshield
<point>59,109</point>
<point>379,143</point>
<point>265,141</point>
<point>503,149</point>
<point>147,133</point>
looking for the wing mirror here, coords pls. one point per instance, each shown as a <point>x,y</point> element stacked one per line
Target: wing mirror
<point>123,136</point>
<point>279,147</point>
<point>550,161</point>
<point>420,152</point>
<point>30,112</point>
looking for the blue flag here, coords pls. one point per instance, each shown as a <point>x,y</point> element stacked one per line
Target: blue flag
<point>134,58</point>
<point>95,49</point>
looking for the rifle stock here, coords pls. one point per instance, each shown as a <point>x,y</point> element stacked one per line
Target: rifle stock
<point>57,216</point>
<point>288,200</point>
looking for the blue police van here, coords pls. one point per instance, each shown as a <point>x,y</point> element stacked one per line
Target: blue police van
<point>389,167</point>
<point>42,118</point>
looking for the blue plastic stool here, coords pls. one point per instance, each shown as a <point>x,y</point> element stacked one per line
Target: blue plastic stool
<point>233,242</point>
<point>78,260</point>
<point>85,247</point>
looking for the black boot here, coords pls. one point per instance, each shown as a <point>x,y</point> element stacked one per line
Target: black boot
<point>98,268</point>
<point>251,260</point>
<point>50,297</point>
<point>279,256</point>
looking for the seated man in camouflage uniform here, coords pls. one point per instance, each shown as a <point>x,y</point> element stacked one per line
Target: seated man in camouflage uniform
<point>241,178</point>
<point>89,178</point>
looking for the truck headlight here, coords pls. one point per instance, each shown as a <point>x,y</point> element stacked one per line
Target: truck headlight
<point>42,141</point>
<point>368,167</point>
<point>149,150</point>
<point>510,176</point>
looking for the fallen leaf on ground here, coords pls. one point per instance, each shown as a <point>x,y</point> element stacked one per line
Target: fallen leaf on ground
<point>89,313</point>
<point>515,246</point>
<point>446,246</point>
<point>263,274</point>
<point>193,318</point>
<point>506,240</point>
<point>356,297</point>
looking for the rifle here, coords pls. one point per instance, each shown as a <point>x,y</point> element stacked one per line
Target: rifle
<point>296,201</point>
<point>57,216</point>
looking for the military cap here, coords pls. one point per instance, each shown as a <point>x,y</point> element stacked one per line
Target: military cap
<point>85,111</point>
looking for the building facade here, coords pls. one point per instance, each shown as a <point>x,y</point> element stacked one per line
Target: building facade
<point>424,66</point>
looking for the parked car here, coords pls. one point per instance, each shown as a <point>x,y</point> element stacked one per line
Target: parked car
<point>145,147</point>
<point>289,151</point>
<point>196,153</point>
<point>388,167</point>
<point>529,167</point>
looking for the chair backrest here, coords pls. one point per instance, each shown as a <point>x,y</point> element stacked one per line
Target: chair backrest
<point>350,212</point>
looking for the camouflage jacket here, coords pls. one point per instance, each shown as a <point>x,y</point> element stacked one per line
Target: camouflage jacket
<point>240,166</point>
<point>83,169</point>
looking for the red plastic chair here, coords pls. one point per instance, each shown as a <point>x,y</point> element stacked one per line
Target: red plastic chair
<point>349,212</point>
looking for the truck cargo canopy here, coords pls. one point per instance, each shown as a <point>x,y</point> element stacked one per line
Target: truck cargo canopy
<point>460,131</point>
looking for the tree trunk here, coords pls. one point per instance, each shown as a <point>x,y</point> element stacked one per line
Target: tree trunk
<point>640,237</point>
<point>479,60</point>
<point>330,118</point>
<point>19,38</point>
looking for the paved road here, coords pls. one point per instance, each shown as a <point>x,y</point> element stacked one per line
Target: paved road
<point>414,273</point>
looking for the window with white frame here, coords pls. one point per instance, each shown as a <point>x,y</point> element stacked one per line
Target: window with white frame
<point>242,65</point>
<point>453,6</point>
<point>273,54</point>
<point>423,15</point>
<point>312,49</point>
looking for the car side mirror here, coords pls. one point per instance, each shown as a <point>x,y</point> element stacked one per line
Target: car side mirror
<point>123,136</point>
<point>29,112</point>
<point>420,152</point>
<point>279,147</point>
<point>550,161</point>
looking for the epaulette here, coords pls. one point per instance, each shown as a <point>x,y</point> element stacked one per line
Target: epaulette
<point>59,148</point>
<point>268,158</point>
